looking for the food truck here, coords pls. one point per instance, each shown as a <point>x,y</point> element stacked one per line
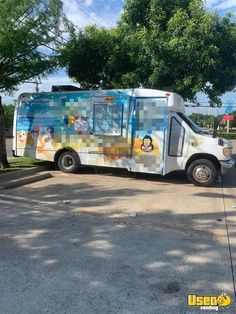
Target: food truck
<point>141,130</point>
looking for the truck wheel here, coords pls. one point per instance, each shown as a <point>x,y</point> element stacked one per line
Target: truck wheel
<point>202,172</point>
<point>68,162</point>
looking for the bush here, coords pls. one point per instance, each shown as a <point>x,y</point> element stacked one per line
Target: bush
<point>229,136</point>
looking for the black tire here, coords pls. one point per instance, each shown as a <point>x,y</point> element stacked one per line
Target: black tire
<point>202,172</point>
<point>68,162</point>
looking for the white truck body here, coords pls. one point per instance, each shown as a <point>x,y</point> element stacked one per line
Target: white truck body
<point>142,130</point>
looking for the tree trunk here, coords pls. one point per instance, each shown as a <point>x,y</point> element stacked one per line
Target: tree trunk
<point>3,152</point>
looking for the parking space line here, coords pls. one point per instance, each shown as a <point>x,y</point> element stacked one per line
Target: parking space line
<point>228,237</point>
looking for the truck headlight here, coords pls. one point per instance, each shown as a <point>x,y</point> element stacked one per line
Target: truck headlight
<point>227,151</point>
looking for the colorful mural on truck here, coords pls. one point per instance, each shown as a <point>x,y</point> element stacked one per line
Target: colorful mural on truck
<point>87,122</point>
<point>99,125</point>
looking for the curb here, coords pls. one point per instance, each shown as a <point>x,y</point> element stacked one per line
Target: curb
<point>28,180</point>
<point>26,176</point>
<point>23,173</point>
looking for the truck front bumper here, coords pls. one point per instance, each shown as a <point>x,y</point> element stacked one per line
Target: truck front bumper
<point>226,164</point>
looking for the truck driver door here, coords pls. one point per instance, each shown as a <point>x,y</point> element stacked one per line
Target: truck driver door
<point>177,146</point>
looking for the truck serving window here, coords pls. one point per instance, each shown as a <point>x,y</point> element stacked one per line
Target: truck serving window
<point>107,119</point>
<point>190,123</point>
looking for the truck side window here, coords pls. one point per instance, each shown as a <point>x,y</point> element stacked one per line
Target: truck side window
<point>107,119</point>
<point>176,140</point>
<point>150,114</point>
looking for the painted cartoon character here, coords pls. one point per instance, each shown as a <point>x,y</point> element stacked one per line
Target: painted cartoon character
<point>48,139</point>
<point>35,134</point>
<point>22,137</point>
<point>46,142</point>
<point>69,120</point>
<point>24,140</point>
<point>147,145</point>
<point>36,130</point>
<point>81,124</point>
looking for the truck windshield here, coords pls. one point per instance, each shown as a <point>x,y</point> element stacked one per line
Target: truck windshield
<point>190,123</point>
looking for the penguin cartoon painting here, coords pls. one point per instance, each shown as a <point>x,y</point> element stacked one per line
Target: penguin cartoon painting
<point>147,145</point>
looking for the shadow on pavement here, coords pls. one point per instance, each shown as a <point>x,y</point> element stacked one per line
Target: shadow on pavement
<point>176,177</point>
<point>59,258</point>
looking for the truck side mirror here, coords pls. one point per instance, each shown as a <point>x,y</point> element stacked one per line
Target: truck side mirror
<point>216,123</point>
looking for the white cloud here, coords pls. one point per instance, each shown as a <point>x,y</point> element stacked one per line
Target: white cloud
<point>88,3</point>
<point>61,79</point>
<point>121,11</point>
<point>227,4</point>
<point>212,3</point>
<point>101,21</point>
<point>74,14</point>
<point>81,17</point>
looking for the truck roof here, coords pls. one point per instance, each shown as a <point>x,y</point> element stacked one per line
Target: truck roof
<point>175,101</point>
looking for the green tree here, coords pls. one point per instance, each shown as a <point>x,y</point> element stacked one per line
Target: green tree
<point>99,57</point>
<point>174,45</point>
<point>88,56</point>
<point>31,33</point>
<point>233,123</point>
<point>8,115</point>
<point>190,49</point>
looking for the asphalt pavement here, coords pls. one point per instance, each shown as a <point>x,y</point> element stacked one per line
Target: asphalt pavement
<point>69,245</point>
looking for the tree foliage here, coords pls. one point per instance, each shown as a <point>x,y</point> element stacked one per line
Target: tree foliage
<point>91,47</point>
<point>174,45</point>
<point>8,115</point>
<point>99,57</point>
<point>206,120</point>
<point>31,33</point>
<point>30,37</point>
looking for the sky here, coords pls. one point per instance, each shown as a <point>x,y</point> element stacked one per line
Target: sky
<point>106,13</point>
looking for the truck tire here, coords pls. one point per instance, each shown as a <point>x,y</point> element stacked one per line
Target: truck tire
<point>68,162</point>
<point>202,172</point>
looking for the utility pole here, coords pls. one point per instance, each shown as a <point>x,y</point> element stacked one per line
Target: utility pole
<point>37,83</point>
<point>227,126</point>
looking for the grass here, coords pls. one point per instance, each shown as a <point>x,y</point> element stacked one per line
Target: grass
<point>22,163</point>
<point>230,136</point>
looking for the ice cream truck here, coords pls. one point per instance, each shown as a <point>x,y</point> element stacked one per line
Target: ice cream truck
<point>141,130</point>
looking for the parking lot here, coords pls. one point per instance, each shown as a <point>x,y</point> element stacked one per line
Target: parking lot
<point>69,245</point>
